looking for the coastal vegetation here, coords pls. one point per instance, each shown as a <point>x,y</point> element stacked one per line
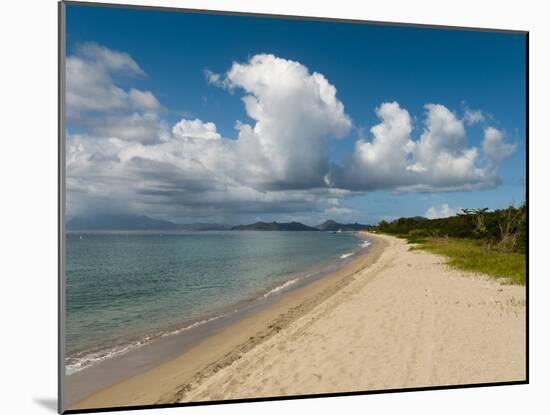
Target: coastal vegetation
<point>479,240</point>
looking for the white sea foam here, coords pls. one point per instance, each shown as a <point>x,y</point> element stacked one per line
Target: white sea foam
<point>344,256</point>
<point>195,324</point>
<point>281,287</point>
<point>364,244</point>
<point>78,363</point>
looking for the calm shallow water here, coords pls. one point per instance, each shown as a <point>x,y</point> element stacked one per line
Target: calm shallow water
<point>127,289</point>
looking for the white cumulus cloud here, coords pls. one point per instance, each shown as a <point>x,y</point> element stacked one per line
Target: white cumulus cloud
<point>91,88</point>
<point>294,112</point>
<point>195,129</point>
<point>494,145</point>
<point>143,99</point>
<point>130,159</point>
<point>473,116</point>
<point>439,160</point>
<point>442,211</point>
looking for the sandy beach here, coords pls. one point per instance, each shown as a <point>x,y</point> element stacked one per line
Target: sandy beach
<point>393,318</point>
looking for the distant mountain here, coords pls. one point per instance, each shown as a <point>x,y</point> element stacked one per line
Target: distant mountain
<point>123,222</point>
<point>126,222</point>
<point>274,226</point>
<point>331,225</point>
<point>199,226</point>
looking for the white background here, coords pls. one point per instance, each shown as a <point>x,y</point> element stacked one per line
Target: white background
<point>28,163</point>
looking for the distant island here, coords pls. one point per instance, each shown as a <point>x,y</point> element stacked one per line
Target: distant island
<point>125,222</point>
<point>129,222</point>
<point>274,226</point>
<point>329,225</point>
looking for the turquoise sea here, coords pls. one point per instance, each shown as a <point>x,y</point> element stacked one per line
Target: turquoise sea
<point>127,289</point>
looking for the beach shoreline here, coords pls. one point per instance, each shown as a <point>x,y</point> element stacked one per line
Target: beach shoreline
<point>279,312</point>
<point>393,318</point>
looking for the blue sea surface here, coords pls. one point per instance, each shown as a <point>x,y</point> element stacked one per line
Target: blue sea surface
<point>124,289</point>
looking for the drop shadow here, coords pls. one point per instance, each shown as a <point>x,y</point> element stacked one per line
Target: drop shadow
<point>48,403</point>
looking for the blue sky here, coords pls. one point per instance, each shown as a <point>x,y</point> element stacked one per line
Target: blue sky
<point>464,72</point>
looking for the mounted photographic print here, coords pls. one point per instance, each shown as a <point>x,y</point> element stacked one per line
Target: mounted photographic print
<point>256,207</point>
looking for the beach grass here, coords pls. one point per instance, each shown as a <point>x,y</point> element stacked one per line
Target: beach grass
<point>476,256</point>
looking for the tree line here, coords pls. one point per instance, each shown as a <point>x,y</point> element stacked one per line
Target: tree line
<point>503,229</point>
